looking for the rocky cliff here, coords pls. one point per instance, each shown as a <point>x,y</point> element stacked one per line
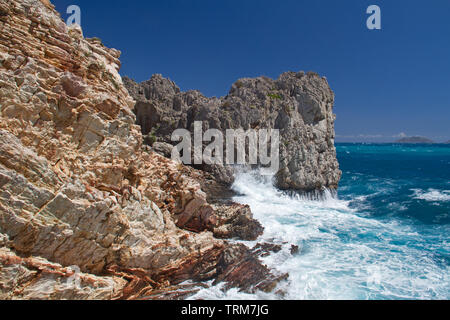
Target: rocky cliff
<point>298,104</point>
<point>79,190</point>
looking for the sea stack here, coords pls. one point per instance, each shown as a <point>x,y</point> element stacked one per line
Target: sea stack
<point>299,104</point>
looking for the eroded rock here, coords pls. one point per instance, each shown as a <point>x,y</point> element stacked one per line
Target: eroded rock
<point>78,187</point>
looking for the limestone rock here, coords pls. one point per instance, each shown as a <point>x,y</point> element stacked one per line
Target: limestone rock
<point>77,185</point>
<point>236,221</point>
<point>164,149</point>
<point>239,267</point>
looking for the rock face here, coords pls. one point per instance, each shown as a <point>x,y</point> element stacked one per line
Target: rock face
<point>78,187</point>
<point>298,104</point>
<point>37,279</point>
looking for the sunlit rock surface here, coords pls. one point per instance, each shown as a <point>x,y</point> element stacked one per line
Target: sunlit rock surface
<point>77,186</point>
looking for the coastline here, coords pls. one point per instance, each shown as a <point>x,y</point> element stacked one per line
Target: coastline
<point>95,204</point>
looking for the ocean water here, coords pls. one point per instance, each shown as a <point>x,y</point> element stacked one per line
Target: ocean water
<point>386,235</point>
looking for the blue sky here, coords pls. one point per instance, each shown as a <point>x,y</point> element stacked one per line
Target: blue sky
<point>387,82</point>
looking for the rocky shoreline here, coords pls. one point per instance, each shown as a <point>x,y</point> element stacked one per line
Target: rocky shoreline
<point>297,104</point>
<point>88,210</point>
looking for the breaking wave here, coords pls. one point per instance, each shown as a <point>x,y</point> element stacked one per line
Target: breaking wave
<point>344,254</point>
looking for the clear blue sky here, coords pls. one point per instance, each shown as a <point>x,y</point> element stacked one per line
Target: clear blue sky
<point>390,81</point>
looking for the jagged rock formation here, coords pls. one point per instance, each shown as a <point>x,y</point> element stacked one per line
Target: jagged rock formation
<point>37,279</point>
<point>78,187</point>
<point>298,104</point>
<point>413,140</point>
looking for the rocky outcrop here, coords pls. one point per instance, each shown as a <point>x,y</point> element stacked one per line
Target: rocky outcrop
<point>78,187</point>
<point>38,279</point>
<point>298,104</point>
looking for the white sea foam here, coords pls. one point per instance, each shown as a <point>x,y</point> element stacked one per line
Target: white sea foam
<point>431,195</point>
<point>397,206</point>
<point>343,255</point>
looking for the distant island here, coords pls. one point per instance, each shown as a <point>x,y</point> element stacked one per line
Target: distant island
<point>414,140</point>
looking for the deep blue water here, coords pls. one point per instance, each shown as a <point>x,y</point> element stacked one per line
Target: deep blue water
<point>397,181</point>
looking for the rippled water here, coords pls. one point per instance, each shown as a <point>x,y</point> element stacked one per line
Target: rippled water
<point>386,236</point>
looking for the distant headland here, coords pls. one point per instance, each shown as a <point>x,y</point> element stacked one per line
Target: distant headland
<point>414,140</point>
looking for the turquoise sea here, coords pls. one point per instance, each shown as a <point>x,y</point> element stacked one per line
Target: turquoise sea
<point>386,235</point>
